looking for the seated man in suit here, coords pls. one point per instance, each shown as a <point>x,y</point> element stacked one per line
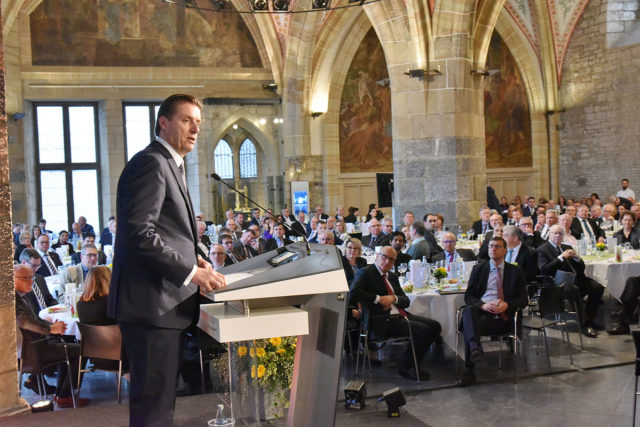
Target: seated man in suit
<point>89,239</point>
<point>36,329</point>
<point>483,253</point>
<point>227,243</point>
<point>531,238</point>
<point>50,260</point>
<point>77,273</point>
<point>430,225</point>
<point>407,220</point>
<point>109,233</point>
<point>554,256</point>
<point>204,243</point>
<point>397,243</point>
<point>376,236</point>
<point>451,254</point>
<point>40,297</point>
<point>420,247</point>
<point>86,228</point>
<point>482,225</point>
<point>279,239</point>
<point>218,256</point>
<point>379,289</point>
<point>550,219</point>
<point>312,229</point>
<point>496,290</point>
<point>244,246</point>
<point>321,227</point>
<point>582,225</point>
<point>519,253</point>
<point>564,221</point>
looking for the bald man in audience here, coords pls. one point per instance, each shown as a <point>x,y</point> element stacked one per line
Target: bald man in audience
<point>376,236</point>
<point>564,221</point>
<point>482,225</point>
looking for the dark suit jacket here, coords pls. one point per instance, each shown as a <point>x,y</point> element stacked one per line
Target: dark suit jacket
<point>367,284</point>
<point>549,264</point>
<point>94,312</point>
<point>155,244</point>
<point>527,260</point>
<point>44,270</point>
<point>430,237</point>
<point>348,269</point>
<point>483,252</point>
<point>464,254</point>
<point>534,240</point>
<point>298,227</point>
<point>105,237</point>
<point>477,228</point>
<point>380,240</point>
<point>513,286</point>
<point>27,318</point>
<point>271,244</point>
<point>576,228</point>
<point>76,258</point>
<point>49,300</point>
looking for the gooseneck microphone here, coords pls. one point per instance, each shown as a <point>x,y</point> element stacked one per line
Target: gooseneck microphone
<point>284,223</point>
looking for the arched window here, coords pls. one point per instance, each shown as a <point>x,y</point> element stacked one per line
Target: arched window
<point>223,160</point>
<point>248,162</point>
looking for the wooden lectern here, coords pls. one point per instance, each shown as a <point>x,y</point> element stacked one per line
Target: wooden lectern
<point>288,292</point>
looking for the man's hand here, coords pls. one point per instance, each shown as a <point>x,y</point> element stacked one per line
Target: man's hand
<point>208,279</point>
<point>58,328</point>
<point>569,253</point>
<point>490,307</point>
<point>204,264</point>
<point>386,301</point>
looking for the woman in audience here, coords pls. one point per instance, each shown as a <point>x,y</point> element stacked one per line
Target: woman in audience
<point>373,212</point>
<point>63,240</point>
<point>353,250</point>
<point>35,233</point>
<point>439,223</point>
<point>25,242</point>
<point>267,226</point>
<point>92,306</point>
<point>562,204</point>
<point>353,216</point>
<point>627,234</point>
<point>341,231</point>
<point>621,210</point>
<point>504,204</point>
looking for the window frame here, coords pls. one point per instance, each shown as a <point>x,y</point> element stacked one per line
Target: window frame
<point>68,166</point>
<point>233,171</point>
<point>255,157</point>
<point>152,121</point>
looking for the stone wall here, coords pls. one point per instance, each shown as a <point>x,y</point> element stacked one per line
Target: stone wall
<point>599,131</point>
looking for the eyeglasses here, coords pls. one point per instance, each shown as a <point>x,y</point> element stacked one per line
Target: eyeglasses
<point>386,257</point>
<point>446,242</point>
<point>526,224</point>
<point>34,266</point>
<point>25,277</point>
<point>353,248</point>
<point>496,246</point>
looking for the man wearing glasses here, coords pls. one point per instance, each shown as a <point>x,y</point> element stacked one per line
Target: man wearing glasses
<point>377,288</point>
<point>218,256</point>
<point>495,292</point>
<point>531,238</point>
<point>77,273</point>
<point>40,297</point>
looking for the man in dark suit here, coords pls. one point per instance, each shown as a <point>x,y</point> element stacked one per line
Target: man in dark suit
<point>496,290</point>
<point>36,329</point>
<point>554,256</point>
<point>583,225</point>
<point>430,233</point>
<point>40,297</point>
<point>227,243</point>
<point>89,239</point>
<point>109,232</point>
<point>519,253</point>
<point>278,240</point>
<point>397,243</point>
<point>482,225</point>
<point>531,238</point>
<point>376,237</point>
<point>530,208</point>
<point>380,290</point>
<point>450,254</point>
<point>156,273</point>
<point>299,225</point>
<point>319,214</point>
<point>50,260</point>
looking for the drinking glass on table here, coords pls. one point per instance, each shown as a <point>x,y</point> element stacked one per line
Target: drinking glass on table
<point>402,269</point>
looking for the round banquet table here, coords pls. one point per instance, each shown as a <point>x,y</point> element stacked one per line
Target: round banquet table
<point>65,316</point>
<point>442,308</point>
<point>612,274</point>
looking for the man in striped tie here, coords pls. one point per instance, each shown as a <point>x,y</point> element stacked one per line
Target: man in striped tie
<point>40,296</point>
<point>50,260</point>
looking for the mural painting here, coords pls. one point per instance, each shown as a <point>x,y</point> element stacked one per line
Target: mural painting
<point>506,109</point>
<point>138,33</point>
<point>365,111</point>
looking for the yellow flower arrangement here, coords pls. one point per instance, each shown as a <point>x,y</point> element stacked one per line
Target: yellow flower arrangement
<point>252,352</point>
<point>440,273</point>
<point>275,341</point>
<point>260,352</point>
<point>242,350</point>
<point>601,247</point>
<point>261,371</point>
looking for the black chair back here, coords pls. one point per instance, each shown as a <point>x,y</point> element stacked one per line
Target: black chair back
<point>636,341</point>
<point>32,351</point>
<point>551,300</point>
<point>564,277</point>
<point>102,342</point>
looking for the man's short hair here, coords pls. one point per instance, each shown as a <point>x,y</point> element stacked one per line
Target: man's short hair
<point>88,234</point>
<point>624,179</point>
<point>29,253</point>
<point>552,211</point>
<point>168,107</point>
<point>556,227</point>
<point>398,233</point>
<point>87,246</point>
<point>499,239</point>
<point>516,231</point>
<point>224,237</point>
<point>483,208</point>
<point>418,227</point>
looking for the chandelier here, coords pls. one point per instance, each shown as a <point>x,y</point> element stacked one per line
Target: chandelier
<point>265,6</point>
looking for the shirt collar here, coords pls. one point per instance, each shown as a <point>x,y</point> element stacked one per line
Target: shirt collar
<point>499,266</point>
<point>379,271</point>
<point>174,154</point>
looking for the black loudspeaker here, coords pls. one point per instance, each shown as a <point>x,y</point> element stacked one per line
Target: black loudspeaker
<point>355,394</point>
<point>394,399</point>
<point>384,184</point>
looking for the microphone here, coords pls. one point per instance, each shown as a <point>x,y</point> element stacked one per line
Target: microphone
<point>284,223</point>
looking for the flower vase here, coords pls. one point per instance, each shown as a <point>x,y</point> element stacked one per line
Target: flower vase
<point>273,403</point>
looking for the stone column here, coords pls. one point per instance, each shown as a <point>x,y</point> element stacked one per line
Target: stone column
<point>439,149</point>
<point>10,401</point>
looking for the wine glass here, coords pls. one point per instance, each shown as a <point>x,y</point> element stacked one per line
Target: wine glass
<point>402,269</point>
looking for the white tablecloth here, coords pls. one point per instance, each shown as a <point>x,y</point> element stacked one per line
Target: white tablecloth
<point>438,307</point>
<point>613,275</point>
<point>65,316</point>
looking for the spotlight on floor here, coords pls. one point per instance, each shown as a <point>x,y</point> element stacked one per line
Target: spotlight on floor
<point>42,406</point>
<point>394,399</point>
<point>355,394</point>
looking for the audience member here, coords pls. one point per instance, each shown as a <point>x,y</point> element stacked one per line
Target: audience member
<point>375,237</point>
<point>496,291</point>
<point>352,217</point>
<point>354,261</point>
<point>407,220</point>
<point>554,256</point>
<point>341,231</point>
<point>227,242</point>
<point>89,239</point>
<point>50,260</point>
<point>519,253</point>
<point>551,219</point>
<point>279,240</point>
<point>319,214</point>
<point>240,222</point>
<point>628,234</point>
<point>420,247</point>
<point>25,242</point>
<point>84,227</point>
<point>582,225</point>
<point>40,298</point>
<point>625,191</point>
<point>379,289</point>
<point>92,306</point>
<point>76,235</point>
<point>218,256</point>
<point>77,273</point>
<point>564,221</point>
<point>450,254</point>
<point>63,240</point>
<point>531,238</point>
<point>482,225</point>
<point>108,236</point>
<point>397,243</point>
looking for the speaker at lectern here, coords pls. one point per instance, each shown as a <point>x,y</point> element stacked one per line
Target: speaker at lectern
<point>287,292</point>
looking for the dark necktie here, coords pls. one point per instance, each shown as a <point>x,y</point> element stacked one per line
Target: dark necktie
<point>181,170</point>
<point>39,296</point>
<point>451,257</point>
<point>390,292</point>
<point>588,228</point>
<point>50,265</point>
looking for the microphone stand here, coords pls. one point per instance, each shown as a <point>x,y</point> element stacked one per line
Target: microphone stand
<point>284,223</point>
